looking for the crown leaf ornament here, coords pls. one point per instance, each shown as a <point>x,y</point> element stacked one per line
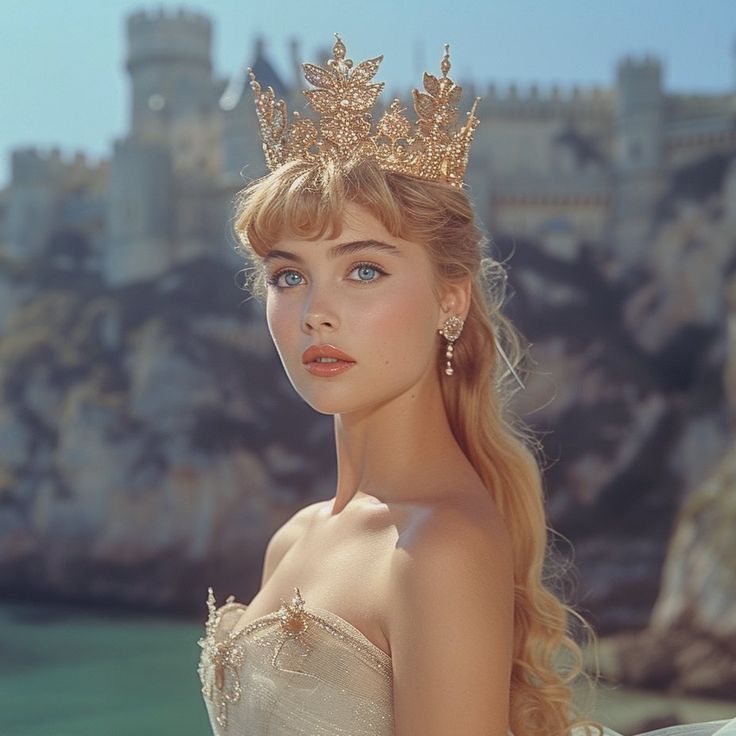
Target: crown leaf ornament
<point>343,98</point>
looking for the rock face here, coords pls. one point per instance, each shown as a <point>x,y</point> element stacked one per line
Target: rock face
<point>679,661</point>
<point>628,394</point>
<point>689,645</point>
<point>150,442</point>
<point>698,590</point>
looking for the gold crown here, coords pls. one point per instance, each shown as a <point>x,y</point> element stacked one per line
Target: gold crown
<point>343,98</point>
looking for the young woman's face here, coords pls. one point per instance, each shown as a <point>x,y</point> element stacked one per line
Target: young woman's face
<point>376,305</point>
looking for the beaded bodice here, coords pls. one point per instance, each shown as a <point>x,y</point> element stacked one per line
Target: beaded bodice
<point>304,670</point>
<point>298,670</point>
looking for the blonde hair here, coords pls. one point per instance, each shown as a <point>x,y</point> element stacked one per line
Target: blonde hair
<point>306,201</point>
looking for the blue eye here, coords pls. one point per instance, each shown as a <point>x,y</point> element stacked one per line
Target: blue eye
<point>366,267</point>
<point>290,273</point>
<point>274,280</point>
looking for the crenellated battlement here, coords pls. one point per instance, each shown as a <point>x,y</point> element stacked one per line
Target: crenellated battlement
<point>641,72</point>
<point>647,62</point>
<point>549,150</point>
<point>181,35</point>
<point>639,85</point>
<point>511,98</point>
<point>160,15</point>
<point>34,164</point>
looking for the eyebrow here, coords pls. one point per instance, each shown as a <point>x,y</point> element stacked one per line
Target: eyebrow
<point>338,250</point>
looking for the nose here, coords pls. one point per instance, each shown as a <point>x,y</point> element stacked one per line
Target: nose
<point>318,315</point>
<point>314,320</point>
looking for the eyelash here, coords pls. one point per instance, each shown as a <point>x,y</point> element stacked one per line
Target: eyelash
<point>273,280</point>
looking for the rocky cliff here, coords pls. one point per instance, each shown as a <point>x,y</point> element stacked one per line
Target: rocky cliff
<point>148,439</point>
<point>150,442</point>
<point>689,643</point>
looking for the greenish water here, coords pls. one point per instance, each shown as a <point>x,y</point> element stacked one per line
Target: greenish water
<point>67,672</point>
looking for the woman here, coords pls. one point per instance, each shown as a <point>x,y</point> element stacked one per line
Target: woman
<point>419,604</point>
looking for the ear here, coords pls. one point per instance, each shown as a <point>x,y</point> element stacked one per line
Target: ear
<point>455,300</point>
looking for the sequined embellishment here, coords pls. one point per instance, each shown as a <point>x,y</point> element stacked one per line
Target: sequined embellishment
<point>343,99</point>
<point>220,663</point>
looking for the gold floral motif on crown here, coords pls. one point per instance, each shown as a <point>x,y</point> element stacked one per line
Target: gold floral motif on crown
<point>343,97</point>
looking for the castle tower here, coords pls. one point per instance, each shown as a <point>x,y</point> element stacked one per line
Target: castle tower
<point>638,151</point>
<point>140,227</point>
<point>170,70</point>
<point>175,136</point>
<point>639,115</point>
<point>174,96</point>
<point>33,200</point>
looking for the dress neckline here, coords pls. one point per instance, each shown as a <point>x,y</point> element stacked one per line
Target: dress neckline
<point>315,612</point>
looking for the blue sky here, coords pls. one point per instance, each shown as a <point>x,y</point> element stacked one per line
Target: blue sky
<point>63,81</point>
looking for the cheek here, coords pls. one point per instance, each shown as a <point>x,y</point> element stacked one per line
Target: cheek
<point>279,321</point>
<point>397,329</point>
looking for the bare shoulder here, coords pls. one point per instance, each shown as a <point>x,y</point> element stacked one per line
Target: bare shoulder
<point>450,626</point>
<point>285,536</point>
<point>467,545</point>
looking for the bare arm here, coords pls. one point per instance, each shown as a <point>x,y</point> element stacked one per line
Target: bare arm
<point>451,629</point>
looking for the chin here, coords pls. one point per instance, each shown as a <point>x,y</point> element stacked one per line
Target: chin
<point>348,401</point>
<point>329,405</point>
<point>322,394</point>
<point>332,399</point>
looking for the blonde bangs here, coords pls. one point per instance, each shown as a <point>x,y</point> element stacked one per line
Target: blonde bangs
<point>290,202</point>
<point>306,201</point>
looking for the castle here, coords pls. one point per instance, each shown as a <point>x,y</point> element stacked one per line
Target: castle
<point>588,165</point>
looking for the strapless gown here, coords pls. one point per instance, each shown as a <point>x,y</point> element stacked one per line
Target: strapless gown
<point>305,671</point>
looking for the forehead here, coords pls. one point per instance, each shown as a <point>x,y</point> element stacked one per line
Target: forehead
<point>356,222</point>
<point>361,231</point>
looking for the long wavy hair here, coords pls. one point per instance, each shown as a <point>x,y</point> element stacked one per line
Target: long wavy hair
<point>305,201</point>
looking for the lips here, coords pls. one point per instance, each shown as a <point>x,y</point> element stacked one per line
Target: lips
<point>325,351</point>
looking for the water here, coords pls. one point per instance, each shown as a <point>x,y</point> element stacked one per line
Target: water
<point>71,672</point>
<point>67,672</point>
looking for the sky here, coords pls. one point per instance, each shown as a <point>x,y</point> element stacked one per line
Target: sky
<point>64,82</point>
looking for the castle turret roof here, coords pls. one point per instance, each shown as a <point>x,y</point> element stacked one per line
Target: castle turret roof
<point>238,92</point>
<point>264,71</point>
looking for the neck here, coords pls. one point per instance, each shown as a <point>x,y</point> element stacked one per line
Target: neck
<point>401,450</point>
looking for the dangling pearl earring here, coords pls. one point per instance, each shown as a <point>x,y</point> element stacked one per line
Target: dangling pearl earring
<point>451,331</point>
